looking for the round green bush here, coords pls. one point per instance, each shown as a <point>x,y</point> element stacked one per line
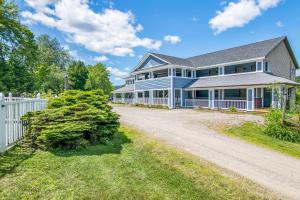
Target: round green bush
<point>74,119</point>
<point>274,127</point>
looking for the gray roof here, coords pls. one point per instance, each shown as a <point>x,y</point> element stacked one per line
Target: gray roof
<point>174,60</point>
<point>126,88</point>
<point>244,52</point>
<point>259,78</point>
<point>254,50</point>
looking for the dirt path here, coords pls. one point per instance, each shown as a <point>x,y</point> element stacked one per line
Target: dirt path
<point>191,130</point>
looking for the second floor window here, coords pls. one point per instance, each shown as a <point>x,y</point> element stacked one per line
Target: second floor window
<point>178,72</point>
<point>207,72</point>
<point>242,68</point>
<point>188,73</point>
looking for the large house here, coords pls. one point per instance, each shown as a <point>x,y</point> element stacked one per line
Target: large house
<point>248,77</point>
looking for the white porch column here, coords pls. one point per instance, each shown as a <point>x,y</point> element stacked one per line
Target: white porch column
<point>262,97</point>
<point>151,97</point>
<point>250,99</point>
<point>123,97</point>
<point>276,97</point>
<point>172,90</point>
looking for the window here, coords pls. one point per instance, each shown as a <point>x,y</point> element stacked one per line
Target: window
<point>201,94</point>
<point>266,66</point>
<point>188,73</point>
<point>235,94</point>
<point>190,94</point>
<point>207,72</point>
<point>160,73</point>
<point>259,66</point>
<point>178,72</point>
<point>242,68</point>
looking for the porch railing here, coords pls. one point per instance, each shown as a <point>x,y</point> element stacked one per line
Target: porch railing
<point>123,100</point>
<point>144,100</point>
<point>160,101</point>
<point>226,104</point>
<point>11,110</point>
<point>202,103</point>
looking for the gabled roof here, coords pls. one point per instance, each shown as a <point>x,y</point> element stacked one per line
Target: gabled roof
<point>259,78</point>
<point>174,60</point>
<point>244,52</point>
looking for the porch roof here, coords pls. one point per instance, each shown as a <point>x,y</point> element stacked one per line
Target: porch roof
<point>257,78</point>
<point>125,89</point>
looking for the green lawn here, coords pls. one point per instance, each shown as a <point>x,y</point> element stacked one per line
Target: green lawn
<point>131,166</point>
<point>253,133</point>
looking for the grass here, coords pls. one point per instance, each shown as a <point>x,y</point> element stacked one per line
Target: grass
<point>131,166</point>
<point>253,133</point>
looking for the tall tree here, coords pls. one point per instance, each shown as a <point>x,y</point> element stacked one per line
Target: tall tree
<point>17,51</point>
<point>78,74</point>
<point>98,78</point>
<point>52,59</point>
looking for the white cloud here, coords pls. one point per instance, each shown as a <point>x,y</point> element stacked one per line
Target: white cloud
<point>173,39</point>
<point>127,69</point>
<point>240,13</point>
<point>110,31</point>
<point>266,4</point>
<point>100,59</point>
<point>279,24</point>
<point>117,73</point>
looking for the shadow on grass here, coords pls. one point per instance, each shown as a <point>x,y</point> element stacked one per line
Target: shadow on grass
<point>113,146</point>
<point>22,151</point>
<point>14,157</point>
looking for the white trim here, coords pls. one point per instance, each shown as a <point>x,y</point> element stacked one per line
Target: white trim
<point>153,79</point>
<point>145,58</point>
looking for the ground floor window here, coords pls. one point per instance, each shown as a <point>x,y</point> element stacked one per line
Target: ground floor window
<point>235,94</point>
<point>160,93</point>
<point>201,94</point>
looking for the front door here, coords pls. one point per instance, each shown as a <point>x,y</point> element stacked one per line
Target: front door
<point>267,97</point>
<point>177,98</point>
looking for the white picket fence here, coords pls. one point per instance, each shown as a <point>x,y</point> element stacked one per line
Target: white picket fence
<point>11,110</point>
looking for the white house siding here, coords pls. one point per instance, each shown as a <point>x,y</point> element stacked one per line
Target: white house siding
<point>281,63</point>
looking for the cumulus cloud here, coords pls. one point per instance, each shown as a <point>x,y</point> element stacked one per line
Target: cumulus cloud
<point>100,58</point>
<point>117,73</point>
<point>110,31</point>
<point>173,39</point>
<point>237,14</point>
<point>127,69</point>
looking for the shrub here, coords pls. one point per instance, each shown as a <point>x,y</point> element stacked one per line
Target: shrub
<point>232,109</point>
<point>274,127</point>
<point>74,119</point>
<point>298,97</point>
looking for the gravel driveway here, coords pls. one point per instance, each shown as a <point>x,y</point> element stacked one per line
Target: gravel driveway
<point>192,131</point>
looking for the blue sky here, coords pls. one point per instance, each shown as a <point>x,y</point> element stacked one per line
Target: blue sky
<point>119,32</point>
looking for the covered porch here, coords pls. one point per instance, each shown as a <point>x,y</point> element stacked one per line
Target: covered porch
<point>153,97</point>
<point>240,98</point>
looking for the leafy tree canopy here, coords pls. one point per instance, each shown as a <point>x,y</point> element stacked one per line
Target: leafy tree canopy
<point>98,78</point>
<point>78,74</point>
<point>17,51</point>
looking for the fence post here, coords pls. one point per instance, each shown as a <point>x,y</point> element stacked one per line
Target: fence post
<point>2,125</point>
